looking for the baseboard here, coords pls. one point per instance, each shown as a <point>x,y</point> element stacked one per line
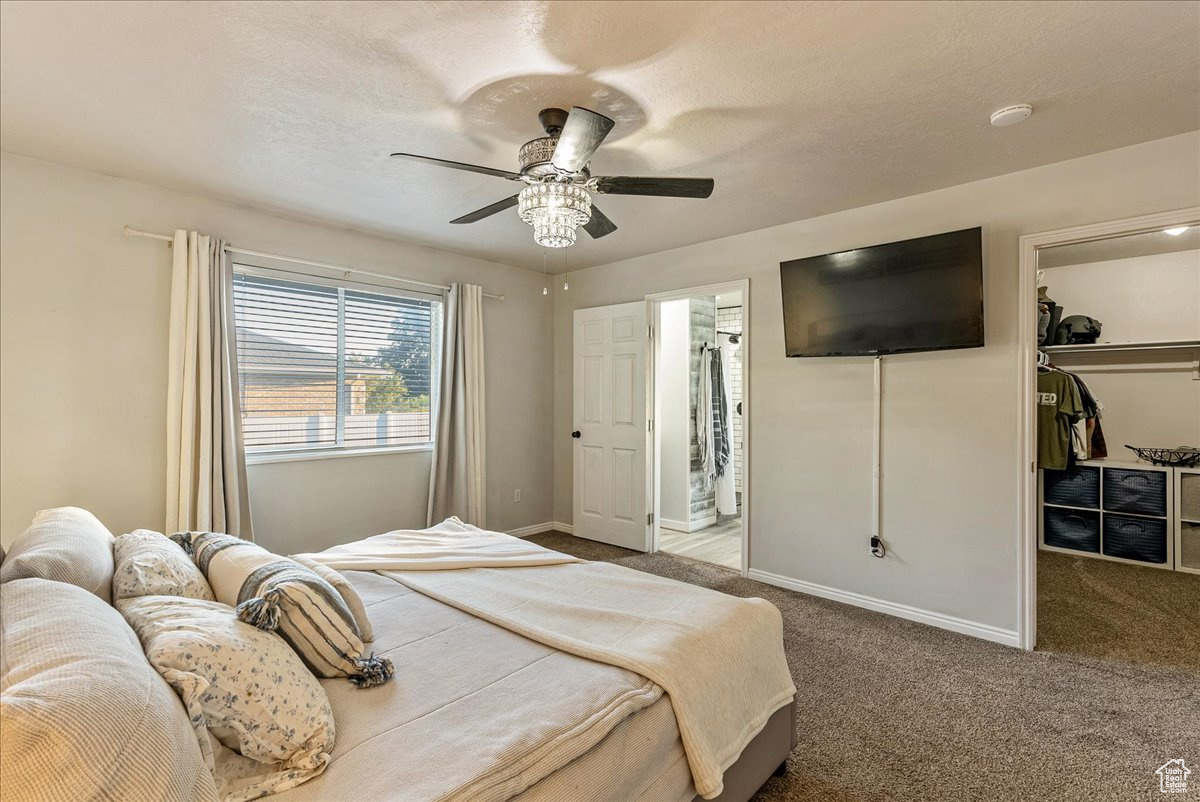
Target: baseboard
<point>537,529</point>
<point>987,632</point>
<point>533,529</point>
<point>688,526</point>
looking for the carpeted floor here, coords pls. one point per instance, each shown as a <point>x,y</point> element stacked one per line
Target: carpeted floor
<point>893,710</point>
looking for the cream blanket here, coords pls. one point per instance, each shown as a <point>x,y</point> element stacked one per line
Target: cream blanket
<point>449,545</point>
<point>718,657</point>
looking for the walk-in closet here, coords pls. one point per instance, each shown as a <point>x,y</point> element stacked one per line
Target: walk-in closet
<point>1117,409</point>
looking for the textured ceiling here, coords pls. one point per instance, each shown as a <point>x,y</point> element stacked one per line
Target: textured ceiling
<point>796,109</point>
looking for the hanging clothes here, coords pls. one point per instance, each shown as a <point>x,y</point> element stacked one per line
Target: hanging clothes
<point>1096,442</point>
<point>1068,419</point>
<point>1091,436</point>
<point>720,413</point>
<point>1058,407</point>
<point>723,433</point>
<point>1079,439</point>
<point>704,417</point>
<point>714,444</point>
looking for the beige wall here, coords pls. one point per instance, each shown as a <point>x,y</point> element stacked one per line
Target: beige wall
<point>950,464</point>
<point>83,315</point>
<point>83,326</point>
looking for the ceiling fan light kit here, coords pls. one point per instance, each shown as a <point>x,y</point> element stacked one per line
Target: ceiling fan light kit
<point>557,198</point>
<point>554,210</point>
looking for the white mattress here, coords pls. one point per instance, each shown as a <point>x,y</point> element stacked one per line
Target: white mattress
<point>478,712</point>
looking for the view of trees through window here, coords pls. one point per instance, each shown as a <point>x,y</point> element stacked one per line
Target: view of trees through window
<point>322,366</point>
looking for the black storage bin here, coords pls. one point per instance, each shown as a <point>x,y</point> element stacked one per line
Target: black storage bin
<point>1143,539</point>
<point>1131,490</point>
<point>1071,529</point>
<point>1077,488</point>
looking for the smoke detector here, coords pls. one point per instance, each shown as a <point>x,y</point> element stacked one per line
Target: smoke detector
<point>1011,115</point>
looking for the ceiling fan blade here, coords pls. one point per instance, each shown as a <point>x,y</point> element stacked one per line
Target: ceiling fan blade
<point>599,226</point>
<point>662,187</point>
<point>487,211</point>
<point>580,136</point>
<point>470,168</point>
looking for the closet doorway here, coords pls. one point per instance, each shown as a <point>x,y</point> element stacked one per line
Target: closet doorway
<point>699,383</point>
<point>1110,331</point>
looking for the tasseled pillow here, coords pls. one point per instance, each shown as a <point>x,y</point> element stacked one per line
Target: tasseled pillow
<point>280,595</point>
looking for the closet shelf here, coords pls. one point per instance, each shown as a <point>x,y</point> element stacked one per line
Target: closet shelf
<point>1098,348</point>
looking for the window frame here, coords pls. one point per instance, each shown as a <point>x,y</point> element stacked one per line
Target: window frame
<point>262,268</point>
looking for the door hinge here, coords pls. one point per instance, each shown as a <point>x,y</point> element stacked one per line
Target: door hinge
<point>650,331</point>
<point>649,518</point>
<point>649,424</point>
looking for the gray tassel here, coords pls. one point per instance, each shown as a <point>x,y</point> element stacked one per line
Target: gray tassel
<point>374,671</point>
<point>262,612</point>
<point>184,539</point>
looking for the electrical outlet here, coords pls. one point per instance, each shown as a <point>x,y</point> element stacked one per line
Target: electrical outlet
<point>517,496</point>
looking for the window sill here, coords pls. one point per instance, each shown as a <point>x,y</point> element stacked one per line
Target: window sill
<point>266,457</point>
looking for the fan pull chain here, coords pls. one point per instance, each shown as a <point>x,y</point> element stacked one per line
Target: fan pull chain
<point>566,272</point>
<point>545,286</point>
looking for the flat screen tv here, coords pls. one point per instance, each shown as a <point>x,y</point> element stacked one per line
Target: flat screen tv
<point>922,294</point>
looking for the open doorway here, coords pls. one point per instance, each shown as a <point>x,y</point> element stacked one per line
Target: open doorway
<point>1111,514</point>
<point>699,389</point>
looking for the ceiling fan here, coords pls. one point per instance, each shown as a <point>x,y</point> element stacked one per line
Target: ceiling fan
<point>557,197</point>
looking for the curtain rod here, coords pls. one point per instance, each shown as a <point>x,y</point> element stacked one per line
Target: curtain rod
<point>133,232</point>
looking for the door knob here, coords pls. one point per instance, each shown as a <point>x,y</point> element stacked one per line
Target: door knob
<point>576,434</point>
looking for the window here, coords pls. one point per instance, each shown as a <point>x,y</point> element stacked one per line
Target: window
<point>326,366</point>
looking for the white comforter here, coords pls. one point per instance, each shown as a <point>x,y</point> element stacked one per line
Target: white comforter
<point>718,657</point>
<point>449,545</point>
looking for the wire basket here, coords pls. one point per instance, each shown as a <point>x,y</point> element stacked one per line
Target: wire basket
<point>1183,456</point>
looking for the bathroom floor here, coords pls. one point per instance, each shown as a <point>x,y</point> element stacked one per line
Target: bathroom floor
<point>720,543</point>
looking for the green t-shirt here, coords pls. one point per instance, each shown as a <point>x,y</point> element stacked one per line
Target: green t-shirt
<point>1058,406</point>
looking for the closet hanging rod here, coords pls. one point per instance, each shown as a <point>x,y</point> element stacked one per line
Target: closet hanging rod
<point>133,232</point>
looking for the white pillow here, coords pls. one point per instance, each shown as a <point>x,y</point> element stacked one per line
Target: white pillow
<point>243,688</point>
<point>64,544</point>
<point>151,564</point>
<point>84,715</point>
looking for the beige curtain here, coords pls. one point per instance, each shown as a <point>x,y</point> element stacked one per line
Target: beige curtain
<point>206,464</point>
<point>456,485</point>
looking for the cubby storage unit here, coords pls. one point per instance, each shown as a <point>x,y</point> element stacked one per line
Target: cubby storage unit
<point>1187,520</point>
<point>1117,511</point>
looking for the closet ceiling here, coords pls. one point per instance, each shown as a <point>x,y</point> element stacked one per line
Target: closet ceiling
<point>1128,247</point>
<point>796,109</point>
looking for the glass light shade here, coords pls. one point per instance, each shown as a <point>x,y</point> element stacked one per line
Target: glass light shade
<point>554,210</point>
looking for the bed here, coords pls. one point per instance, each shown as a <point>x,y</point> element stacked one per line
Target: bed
<point>462,680</point>
<point>521,675</point>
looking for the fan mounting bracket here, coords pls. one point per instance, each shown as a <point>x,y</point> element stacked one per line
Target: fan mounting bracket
<point>552,120</point>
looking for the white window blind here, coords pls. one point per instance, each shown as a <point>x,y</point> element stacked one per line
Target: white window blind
<point>325,367</point>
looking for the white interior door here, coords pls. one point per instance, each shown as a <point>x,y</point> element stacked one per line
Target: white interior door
<point>610,425</point>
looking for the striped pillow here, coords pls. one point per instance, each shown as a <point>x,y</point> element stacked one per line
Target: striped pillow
<point>281,595</point>
<point>346,591</point>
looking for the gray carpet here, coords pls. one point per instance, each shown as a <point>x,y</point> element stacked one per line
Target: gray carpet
<point>893,710</point>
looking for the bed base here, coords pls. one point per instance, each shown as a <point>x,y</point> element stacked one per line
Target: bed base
<point>765,756</point>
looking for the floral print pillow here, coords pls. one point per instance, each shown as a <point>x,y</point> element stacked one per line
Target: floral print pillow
<point>244,689</point>
<point>151,564</point>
